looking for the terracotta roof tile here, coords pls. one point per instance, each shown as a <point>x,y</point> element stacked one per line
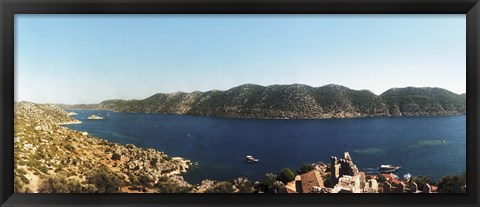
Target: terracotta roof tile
<point>311,179</point>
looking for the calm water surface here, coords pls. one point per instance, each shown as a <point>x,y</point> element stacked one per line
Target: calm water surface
<point>219,145</point>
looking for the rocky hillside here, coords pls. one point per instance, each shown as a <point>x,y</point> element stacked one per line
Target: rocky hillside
<point>50,158</point>
<point>423,101</point>
<point>295,101</point>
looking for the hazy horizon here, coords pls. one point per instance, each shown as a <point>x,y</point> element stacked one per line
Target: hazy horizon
<point>86,59</point>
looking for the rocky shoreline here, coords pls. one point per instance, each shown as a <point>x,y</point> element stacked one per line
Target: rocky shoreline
<point>45,149</point>
<point>51,158</point>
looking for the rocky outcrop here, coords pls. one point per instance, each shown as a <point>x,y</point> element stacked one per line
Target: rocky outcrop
<point>43,148</point>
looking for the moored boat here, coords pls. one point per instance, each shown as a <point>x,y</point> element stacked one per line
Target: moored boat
<point>388,168</point>
<point>251,159</point>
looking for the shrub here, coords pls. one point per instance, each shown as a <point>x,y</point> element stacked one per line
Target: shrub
<point>24,179</point>
<point>153,161</point>
<point>146,181</point>
<point>306,168</point>
<point>270,178</point>
<point>59,184</point>
<point>43,169</point>
<point>452,184</point>
<point>165,185</point>
<point>71,173</point>
<point>20,171</point>
<point>277,187</point>
<point>287,175</point>
<point>116,156</point>
<point>70,148</point>
<point>17,185</point>
<point>266,183</point>
<point>222,187</point>
<point>243,185</point>
<point>105,182</point>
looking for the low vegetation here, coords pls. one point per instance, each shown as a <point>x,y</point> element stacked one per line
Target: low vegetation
<point>295,101</point>
<point>453,184</point>
<point>52,158</point>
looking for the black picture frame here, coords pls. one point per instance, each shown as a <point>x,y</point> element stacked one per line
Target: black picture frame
<point>9,8</point>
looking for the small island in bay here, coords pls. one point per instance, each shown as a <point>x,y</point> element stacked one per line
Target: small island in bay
<point>95,117</point>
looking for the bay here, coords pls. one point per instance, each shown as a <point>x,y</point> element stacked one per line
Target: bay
<point>431,146</point>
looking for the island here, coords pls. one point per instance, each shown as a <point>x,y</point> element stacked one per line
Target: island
<point>95,117</point>
<point>295,101</point>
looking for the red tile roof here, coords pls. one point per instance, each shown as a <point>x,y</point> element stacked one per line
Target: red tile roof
<point>311,179</point>
<point>391,178</point>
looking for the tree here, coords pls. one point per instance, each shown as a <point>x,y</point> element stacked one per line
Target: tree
<point>277,187</point>
<point>105,181</point>
<point>165,185</point>
<point>452,184</point>
<point>116,156</point>
<point>59,184</point>
<point>270,178</point>
<point>306,168</point>
<point>243,185</point>
<point>287,175</point>
<point>146,180</point>
<point>222,187</point>
<point>264,185</point>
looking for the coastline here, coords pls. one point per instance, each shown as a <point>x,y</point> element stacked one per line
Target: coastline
<point>281,118</point>
<point>45,149</point>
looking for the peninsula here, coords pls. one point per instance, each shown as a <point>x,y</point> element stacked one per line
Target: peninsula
<point>50,158</point>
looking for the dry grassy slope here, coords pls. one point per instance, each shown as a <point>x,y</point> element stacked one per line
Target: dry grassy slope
<point>43,148</point>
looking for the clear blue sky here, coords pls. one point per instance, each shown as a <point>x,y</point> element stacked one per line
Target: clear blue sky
<point>91,58</point>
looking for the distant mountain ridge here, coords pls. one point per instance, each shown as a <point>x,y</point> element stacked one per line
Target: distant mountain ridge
<point>295,101</point>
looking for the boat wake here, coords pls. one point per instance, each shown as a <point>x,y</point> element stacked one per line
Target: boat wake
<point>188,135</point>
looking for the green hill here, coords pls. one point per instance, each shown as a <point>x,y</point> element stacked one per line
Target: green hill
<point>295,101</point>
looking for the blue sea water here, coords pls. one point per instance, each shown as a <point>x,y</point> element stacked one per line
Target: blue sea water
<point>219,145</point>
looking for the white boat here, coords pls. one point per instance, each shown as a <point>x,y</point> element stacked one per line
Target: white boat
<point>251,159</point>
<point>388,168</point>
